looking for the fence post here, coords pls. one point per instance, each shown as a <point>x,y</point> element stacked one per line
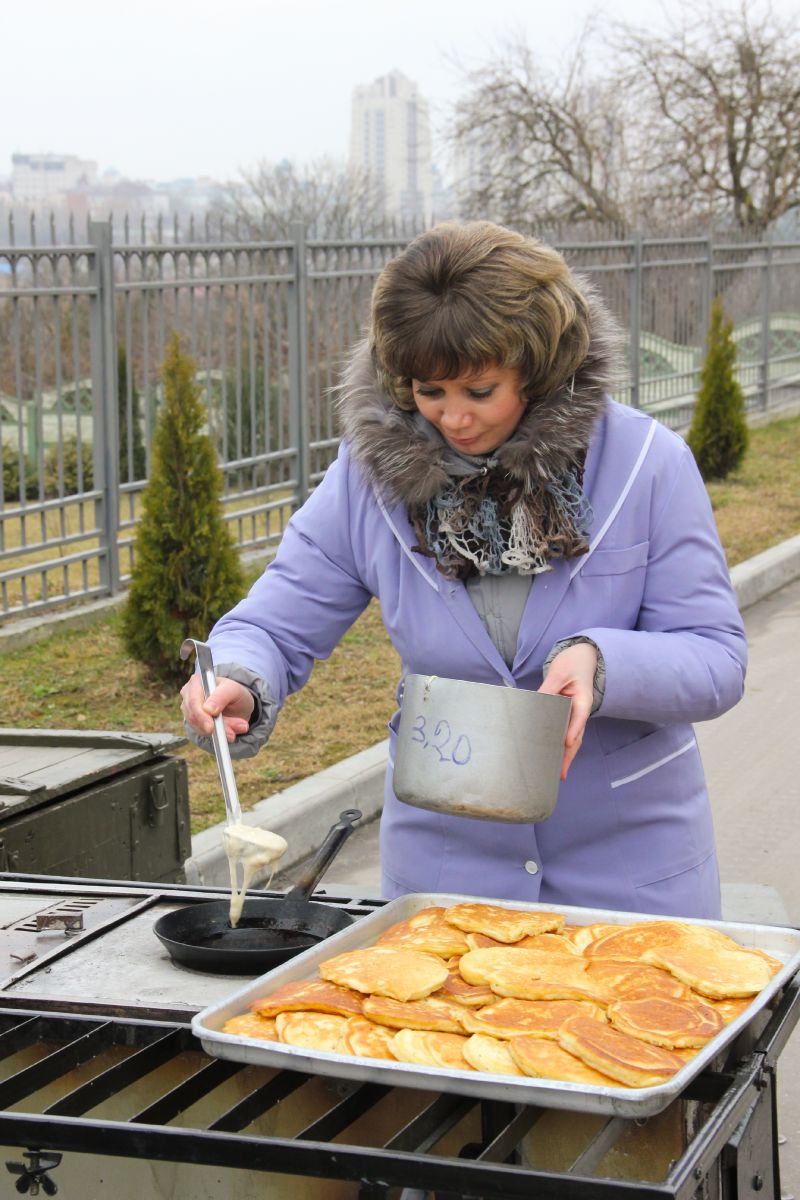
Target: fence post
<point>105,413</point>
<point>635,324</point>
<point>766,300</point>
<point>298,361</point>
<point>708,291</point>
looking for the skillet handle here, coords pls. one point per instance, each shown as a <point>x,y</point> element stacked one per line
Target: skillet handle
<point>337,836</point>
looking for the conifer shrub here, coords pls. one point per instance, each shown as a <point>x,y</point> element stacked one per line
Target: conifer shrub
<point>719,435</point>
<point>10,475</point>
<point>129,431</point>
<point>61,469</point>
<point>186,568</point>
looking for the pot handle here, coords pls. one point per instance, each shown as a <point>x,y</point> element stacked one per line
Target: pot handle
<point>337,836</point>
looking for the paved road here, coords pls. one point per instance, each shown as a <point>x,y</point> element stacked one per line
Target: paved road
<point>752,759</point>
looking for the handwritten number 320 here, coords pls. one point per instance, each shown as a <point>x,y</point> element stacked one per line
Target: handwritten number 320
<point>458,750</point>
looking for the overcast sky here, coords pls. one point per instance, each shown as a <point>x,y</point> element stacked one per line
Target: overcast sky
<point>162,89</point>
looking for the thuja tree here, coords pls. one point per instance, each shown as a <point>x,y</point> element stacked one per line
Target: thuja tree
<point>718,435</point>
<point>130,431</point>
<point>186,569</point>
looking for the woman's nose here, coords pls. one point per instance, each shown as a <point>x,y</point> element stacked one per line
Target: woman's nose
<point>455,416</point>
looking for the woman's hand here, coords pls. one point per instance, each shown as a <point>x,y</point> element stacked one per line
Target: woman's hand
<point>571,673</point>
<point>231,699</point>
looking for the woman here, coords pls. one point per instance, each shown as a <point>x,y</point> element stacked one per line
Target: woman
<point>517,526</point>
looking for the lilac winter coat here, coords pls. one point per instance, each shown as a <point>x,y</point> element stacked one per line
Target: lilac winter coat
<point>632,827</point>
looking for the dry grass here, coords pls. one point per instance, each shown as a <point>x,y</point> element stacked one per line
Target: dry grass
<point>85,680</point>
<point>759,505</point>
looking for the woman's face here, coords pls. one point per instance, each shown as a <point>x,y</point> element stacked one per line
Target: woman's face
<point>475,412</point>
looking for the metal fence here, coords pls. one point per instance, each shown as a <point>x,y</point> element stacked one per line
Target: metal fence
<point>83,328</point>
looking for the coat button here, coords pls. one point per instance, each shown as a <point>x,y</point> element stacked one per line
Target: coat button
<point>531,867</point>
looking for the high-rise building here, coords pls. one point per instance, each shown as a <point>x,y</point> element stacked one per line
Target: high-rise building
<point>46,176</point>
<point>390,137</point>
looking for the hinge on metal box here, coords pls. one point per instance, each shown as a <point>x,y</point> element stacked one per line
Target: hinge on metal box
<point>158,801</point>
<point>8,862</point>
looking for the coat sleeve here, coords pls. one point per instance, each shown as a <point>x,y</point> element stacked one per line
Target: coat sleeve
<point>686,658</point>
<point>307,597</point>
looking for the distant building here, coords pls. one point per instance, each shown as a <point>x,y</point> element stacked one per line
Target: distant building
<point>471,168</point>
<point>390,137</point>
<point>38,177</point>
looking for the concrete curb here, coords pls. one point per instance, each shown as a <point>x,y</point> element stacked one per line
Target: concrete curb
<point>765,573</point>
<point>304,813</point>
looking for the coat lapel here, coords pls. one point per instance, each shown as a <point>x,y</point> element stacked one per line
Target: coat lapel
<point>607,492</point>
<point>550,587</point>
<point>452,591</point>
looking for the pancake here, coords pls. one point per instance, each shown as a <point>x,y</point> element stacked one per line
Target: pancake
<point>442,939</point>
<point>476,966</point>
<point>442,1015</point>
<point>365,1039</point>
<point>582,935</point>
<point>479,941</point>
<point>516,1018</point>
<point>503,924</point>
<point>427,931</point>
<point>634,979</point>
<point>386,971</point>
<point>629,942</point>
<point>313,1030</point>
<point>563,979</point>
<point>612,1052</point>
<point>544,1059</point>
<point>309,995</point>
<point>252,1025</point>
<point>666,1021</point>
<point>729,1010</point>
<point>457,989</point>
<point>553,942</point>
<point>428,1049</point>
<point>532,941</point>
<point>712,969</point>
<point>489,1055</point>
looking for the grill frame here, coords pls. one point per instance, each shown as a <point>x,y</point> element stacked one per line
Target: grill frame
<point>739,1126</point>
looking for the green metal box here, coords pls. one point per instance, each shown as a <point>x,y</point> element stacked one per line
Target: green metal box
<point>93,804</point>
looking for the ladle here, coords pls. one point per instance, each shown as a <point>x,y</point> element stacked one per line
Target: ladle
<point>252,847</point>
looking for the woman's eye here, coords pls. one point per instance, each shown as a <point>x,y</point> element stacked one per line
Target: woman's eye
<point>480,393</point>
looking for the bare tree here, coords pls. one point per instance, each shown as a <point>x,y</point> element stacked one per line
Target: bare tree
<point>701,122</point>
<point>720,101</point>
<point>332,199</point>
<point>533,147</point>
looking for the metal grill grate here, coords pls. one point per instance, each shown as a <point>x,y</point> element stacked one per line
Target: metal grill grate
<point>145,1089</point>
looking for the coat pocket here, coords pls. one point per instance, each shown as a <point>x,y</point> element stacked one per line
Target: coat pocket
<point>616,562</point>
<point>658,788</point>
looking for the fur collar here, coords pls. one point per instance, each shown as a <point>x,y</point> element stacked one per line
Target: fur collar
<point>407,465</point>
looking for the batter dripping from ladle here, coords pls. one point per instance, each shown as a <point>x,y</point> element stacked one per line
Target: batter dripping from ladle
<point>252,847</point>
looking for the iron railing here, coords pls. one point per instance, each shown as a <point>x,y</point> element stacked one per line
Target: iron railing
<point>83,327</point>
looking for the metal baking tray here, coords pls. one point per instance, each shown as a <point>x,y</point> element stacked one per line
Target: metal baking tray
<point>782,943</point>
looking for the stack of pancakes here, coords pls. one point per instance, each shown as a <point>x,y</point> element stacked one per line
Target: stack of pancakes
<point>481,987</point>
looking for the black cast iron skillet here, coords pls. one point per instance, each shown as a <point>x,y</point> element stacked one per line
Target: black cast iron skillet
<point>271,929</point>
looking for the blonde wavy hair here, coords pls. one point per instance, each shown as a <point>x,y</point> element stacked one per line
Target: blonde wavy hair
<point>463,297</point>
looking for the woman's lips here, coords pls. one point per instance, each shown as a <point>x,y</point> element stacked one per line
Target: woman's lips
<point>463,441</point>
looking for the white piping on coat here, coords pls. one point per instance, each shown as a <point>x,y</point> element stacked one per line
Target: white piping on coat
<point>408,553</point>
<point>620,501</point>
<point>615,783</point>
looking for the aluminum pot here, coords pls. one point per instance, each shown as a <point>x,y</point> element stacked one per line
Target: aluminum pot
<point>479,749</point>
